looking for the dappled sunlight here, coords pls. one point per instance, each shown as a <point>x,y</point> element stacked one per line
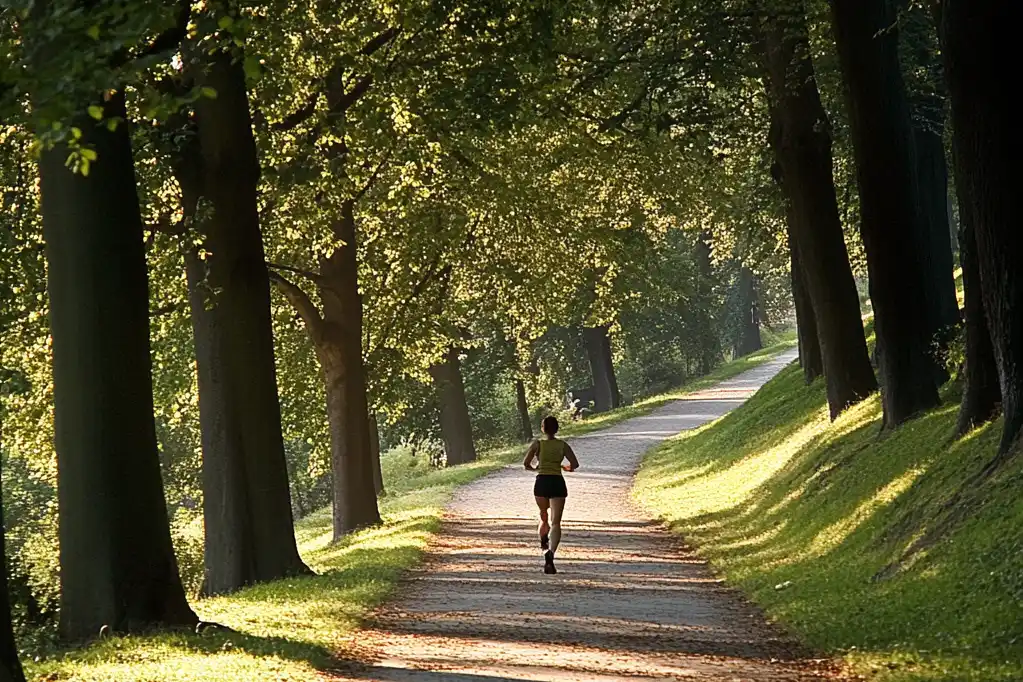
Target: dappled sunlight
<point>854,536</point>
<point>837,532</point>
<point>863,413</point>
<point>730,487</point>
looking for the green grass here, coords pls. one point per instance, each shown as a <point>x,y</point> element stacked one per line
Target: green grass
<point>640,407</point>
<point>299,629</point>
<point>876,548</point>
<point>290,629</point>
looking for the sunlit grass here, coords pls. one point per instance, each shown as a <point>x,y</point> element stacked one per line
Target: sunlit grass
<point>821,523</point>
<point>294,629</point>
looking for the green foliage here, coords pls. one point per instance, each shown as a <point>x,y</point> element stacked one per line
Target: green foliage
<point>889,551</point>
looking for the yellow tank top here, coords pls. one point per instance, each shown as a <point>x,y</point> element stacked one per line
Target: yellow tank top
<point>552,453</point>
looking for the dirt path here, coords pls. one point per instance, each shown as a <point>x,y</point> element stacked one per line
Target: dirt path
<point>630,600</point>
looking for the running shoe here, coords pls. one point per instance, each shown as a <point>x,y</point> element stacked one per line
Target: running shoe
<point>545,541</point>
<point>548,566</point>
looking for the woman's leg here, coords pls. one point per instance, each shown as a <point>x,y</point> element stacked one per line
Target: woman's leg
<point>557,509</point>
<point>544,504</point>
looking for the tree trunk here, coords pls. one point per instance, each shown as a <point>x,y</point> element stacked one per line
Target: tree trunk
<point>806,326</point>
<point>866,32</point>
<point>455,426</point>
<point>748,339</point>
<point>979,48</point>
<point>802,145</point>
<point>932,178</point>
<point>250,533</point>
<point>981,392</point>
<point>709,344</point>
<point>10,665</point>
<point>605,384</point>
<point>374,451</point>
<point>924,77</point>
<point>117,564</point>
<point>355,502</point>
<point>525,423</point>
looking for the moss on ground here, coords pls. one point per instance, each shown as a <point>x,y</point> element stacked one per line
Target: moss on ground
<point>884,549</point>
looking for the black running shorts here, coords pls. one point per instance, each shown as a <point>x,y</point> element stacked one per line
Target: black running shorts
<point>550,485</point>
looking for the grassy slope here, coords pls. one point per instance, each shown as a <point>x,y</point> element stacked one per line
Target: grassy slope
<point>804,515</point>
<point>296,629</point>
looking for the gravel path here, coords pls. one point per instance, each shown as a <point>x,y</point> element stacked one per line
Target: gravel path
<point>630,600</point>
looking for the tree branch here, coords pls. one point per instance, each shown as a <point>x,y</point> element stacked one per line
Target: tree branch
<point>308,274</point>
<point>379,40</point>
<point>296,118</point>
<point>304,305</point>
<point>376,173</point>
<point>171,38</point>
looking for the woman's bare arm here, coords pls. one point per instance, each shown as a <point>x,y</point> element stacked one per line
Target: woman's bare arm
<point>573,463</point>
<point>531,453</point>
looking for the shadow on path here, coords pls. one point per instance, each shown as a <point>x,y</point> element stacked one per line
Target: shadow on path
<point>630,599</point>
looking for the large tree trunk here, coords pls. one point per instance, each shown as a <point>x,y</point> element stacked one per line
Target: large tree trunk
<point>355,502</point>
<point>374,451</point>
<point>981,392</point>
<point>979,49</point>
<point>117,564</point>
<point>250,533</point>
<point>922,66</point>
<point>866,32</point>
<point>605,384</point>
<point>708,341</point>
<point>10,665</point>
<point>802,145</point>
<point>748,339</point>
<point>455,426</point>
<point>522,406</point>
<point>806,326</point>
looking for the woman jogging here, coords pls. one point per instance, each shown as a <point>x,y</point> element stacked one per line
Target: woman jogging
<point>550,489</point>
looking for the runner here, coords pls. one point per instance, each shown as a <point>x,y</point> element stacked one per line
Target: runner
<point>550,490</point>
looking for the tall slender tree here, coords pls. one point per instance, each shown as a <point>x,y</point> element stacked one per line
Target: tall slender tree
<point>866,32</point>
<point>801,142</point>
<point>925,84</point>
<point>978,47</point>
<point>247,506</point>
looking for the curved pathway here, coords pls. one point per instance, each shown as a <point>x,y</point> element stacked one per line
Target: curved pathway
<point>630,601</point>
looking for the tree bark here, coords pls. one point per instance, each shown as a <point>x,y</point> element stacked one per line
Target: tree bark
<point>866,32</point>
<point>522,405</point>
<point>709,343</point>
<point>455,426</point>
<point>748,340</point>
<point>981,392</point>
<point>10,664</point>
<point>806,326</point>
<point>117,564</point>
<point>979,49</point>
<point>374,451</point>
<point>250,533</point>
<point>801,140</point>
<point>605,384</point>
<point>340,350</point>
<point>922,65</point>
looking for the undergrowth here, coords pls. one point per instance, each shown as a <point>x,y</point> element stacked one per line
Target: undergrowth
<point>821,524</point>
